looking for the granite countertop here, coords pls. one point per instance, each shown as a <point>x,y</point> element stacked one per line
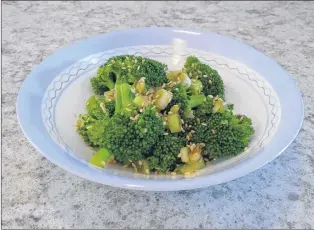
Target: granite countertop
<point>38,194</point>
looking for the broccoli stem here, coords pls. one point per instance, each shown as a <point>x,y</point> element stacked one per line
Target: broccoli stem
<point>100,157</point>
<point>123,96</point>
<point>196,100</point>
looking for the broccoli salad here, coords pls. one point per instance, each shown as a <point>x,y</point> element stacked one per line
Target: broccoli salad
<point>157,121</point>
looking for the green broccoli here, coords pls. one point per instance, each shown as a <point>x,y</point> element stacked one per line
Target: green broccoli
<point>224,133</point>
<point>84,121</point>
<point>136,119</point>
<point>128,69</point>
<point>110,106</point>
<point>182,98</point>
<point>212,83</point>
<point>96,130</point>
<point>130,138</point>
<point>96,107</point>
<point>165,154</point>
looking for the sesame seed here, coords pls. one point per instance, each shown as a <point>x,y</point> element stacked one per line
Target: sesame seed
<point>182,121</point>
<point>166,134</point>
<point>179,155</point>
<point>141,110</point>
<point>138,68</point>
<point>193,131</point>
<point>213,131</point>
<point>204,124</point>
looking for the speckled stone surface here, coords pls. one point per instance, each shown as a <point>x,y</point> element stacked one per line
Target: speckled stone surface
<point>38,194</point>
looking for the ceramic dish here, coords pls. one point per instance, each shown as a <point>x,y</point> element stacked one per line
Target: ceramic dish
<point>51,98</point>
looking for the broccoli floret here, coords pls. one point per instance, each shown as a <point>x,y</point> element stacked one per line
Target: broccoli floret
<point>224,133</point>
<point>211,80</point>
<point>184,100</point>
<point>84,121</point>
<point>179,97</point>
<point>130,138</point>
<point>96,130</point>
<point>96,107</point>
<point>128,69</point>
<point>110,106</point>
<point>165,154</point>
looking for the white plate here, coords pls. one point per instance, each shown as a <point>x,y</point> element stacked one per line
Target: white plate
<point>55,93</point>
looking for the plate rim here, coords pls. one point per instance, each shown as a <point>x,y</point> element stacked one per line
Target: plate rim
<point>100,176</point>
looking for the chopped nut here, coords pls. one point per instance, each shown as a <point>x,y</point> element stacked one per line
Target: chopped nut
<point>188,137</point>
